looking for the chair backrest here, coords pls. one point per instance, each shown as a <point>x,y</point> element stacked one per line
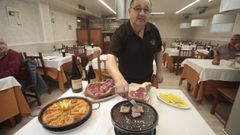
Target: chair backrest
<point>182,55</point>
<point>102,70</point>
<point>81,50</point>
<point>186,53</point>
<point>72,50</point>
<point>38,59</point>
<point>201,46</point>
<point>164,46</point>
<point>40,65</point>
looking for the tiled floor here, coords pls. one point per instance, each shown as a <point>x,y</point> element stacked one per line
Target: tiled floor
<point>170,82</point>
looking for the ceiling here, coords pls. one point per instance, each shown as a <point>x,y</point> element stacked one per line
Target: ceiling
<point>95,8</point>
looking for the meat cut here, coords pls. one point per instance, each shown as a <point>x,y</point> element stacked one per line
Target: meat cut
<point>140,92</point>
<point>98,90</point>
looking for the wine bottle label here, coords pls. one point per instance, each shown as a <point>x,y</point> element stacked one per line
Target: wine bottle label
<point>76,84</point>
<point>84,74</point>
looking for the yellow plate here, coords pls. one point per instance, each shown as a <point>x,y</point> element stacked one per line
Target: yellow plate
<point>173,100</point>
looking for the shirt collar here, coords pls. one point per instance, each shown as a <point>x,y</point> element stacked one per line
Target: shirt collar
<point>130,29</point>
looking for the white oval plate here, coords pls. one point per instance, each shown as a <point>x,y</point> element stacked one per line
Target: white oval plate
<point>187,107</point>
<point>100,100</point>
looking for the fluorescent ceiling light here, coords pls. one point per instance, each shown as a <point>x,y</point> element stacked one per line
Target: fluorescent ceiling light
<point>210,0</point>
<point>189,5</point>
<point>107,6</point>
<point>157,13</point>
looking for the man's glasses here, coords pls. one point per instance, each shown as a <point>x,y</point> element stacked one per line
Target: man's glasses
<point>145,10</point>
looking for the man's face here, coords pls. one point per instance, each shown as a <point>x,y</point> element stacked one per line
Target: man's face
<point>3,46</point>
<point>234,40</point>
<point>139,12</point>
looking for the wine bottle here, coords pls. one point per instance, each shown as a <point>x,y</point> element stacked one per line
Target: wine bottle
<point>76,78</point>
<point>92,45</point>
<point>63,52</point>
<point>91,74</point>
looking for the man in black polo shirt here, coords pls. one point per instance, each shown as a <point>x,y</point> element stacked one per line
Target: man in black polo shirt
<point>135,44</point>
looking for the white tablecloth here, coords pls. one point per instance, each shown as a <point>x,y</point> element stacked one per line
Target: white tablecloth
<point>208,71</point>
<point>91,50</point>
<point>175,51</point>
<point>172,121</point>
<point>8,82</point>
<point>56,61</point>
<point>172,51</point>
<point>203,51</point>
<point>184,46</point>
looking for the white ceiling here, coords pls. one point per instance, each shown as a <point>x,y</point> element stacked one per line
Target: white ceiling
<point>167,6</point>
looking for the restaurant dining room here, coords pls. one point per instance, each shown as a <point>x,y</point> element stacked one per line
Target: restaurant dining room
<point>119,67</point>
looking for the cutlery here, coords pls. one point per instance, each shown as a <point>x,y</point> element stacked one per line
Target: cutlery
<point>133,102</point>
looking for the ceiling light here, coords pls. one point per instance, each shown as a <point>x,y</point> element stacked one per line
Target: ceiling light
<point>157,13</point>
<point>189,5</point>
<point>210,0</point>
<point>107,6</point>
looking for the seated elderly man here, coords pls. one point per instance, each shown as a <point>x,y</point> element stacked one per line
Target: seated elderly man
<point>229,50</point>
<point>11,63</point>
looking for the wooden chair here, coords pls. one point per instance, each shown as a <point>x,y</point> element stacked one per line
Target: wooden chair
<point>200,46</point>
<point>40,66</point>
<point>227,93</point>
<point>182,55</point>
<point>28,88</point>
<point>71,50</point>
<point>102,72</point>
<point>164,46</point>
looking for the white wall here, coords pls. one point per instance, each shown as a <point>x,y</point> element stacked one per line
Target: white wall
<point>64,26</point>
<point>169,29</point>
<point>37,32</point>
<point>29,31</point>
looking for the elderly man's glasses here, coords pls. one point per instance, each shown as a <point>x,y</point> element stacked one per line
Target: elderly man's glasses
<point>145,10</point>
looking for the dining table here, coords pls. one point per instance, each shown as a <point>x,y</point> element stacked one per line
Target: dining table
<point>171,54</point>
<point>12,100</point>
<point>205,77</point>
<point>172,120</point>
<point>57,65</point>
<point>185,46</point>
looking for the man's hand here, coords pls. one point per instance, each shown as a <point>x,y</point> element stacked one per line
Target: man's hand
<point>121,87</point>
<point>159,77</point>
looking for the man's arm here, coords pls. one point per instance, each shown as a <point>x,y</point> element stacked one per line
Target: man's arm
<point>158,59</point>
<point>112,66</point>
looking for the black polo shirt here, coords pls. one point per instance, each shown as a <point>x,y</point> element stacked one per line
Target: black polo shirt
<point>135,55</point>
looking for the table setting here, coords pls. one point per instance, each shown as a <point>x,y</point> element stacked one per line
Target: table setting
<point>104,119</point>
